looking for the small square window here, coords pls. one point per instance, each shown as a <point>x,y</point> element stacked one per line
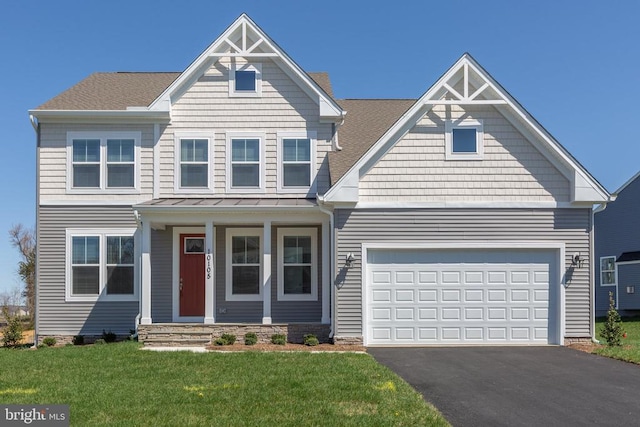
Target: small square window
<point>464,141</point>
<point>246,81</point>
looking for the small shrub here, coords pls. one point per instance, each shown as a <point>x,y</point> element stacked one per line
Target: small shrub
<point>225,339</point>
<point>311,340</point>
<point>100,341</point>
<point>278,339</point>
<point>250,338</point>
<point>41,346</point>
<point>229,338</point>
<point>612,331</point>
<point>12,333</point>
<point>49,341</point>
<point>78,340</point>
<point>109,336</point>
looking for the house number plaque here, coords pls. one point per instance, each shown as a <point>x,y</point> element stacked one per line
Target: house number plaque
<point>208,264</point>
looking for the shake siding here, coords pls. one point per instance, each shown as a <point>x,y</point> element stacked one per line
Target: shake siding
<point>206,106</point>
<point>569,226</point>
<point>415,169</point>
<point>53,162</point>
<point>56,316</point>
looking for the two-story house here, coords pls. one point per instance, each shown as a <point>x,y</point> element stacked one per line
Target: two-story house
<point>241,195</point>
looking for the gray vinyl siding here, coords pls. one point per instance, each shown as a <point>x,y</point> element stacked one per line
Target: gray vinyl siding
<point>236,311</point>
<point>569,226</point>
<point>617,230</point>
<point>161,275</point>
<point>629,275</point>
<point>55,315</point>
<point>294,311</point>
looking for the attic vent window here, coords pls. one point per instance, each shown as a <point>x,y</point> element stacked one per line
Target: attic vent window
<point>464,140</point>
<point>245,80</point>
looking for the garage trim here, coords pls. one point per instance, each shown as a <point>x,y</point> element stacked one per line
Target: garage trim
<point>558,247</point>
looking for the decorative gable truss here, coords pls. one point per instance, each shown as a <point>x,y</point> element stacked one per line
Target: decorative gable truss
<point>244,39</point>
<point>467,83</point>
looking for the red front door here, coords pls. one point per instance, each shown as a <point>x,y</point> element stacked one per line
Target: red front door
<point>192,274</point>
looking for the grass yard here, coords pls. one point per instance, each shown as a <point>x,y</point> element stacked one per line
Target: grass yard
<point>630,350</point>
<point>117,384</point>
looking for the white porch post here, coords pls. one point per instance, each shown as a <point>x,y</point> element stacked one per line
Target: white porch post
<point>326,271</point>
<point>209,293</point>
<point>145,297</point>
<point>266,274</point>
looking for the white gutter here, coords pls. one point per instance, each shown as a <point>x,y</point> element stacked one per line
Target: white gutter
<point>332,261</point>
<point>34,122</point>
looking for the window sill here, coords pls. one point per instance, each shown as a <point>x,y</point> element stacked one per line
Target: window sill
<point>120,298</point>
<point>99,191</point>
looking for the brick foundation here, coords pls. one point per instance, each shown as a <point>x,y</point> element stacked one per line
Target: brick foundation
<point>68,339</point>
<point>577,340</point>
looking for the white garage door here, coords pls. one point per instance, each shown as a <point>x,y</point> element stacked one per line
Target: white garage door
<point>419,297</point>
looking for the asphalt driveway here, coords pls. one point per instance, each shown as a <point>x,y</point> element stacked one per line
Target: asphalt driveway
<point>520,386</point>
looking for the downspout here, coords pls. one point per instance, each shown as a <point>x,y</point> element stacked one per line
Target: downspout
<point>332,263</point>
<point>334,131</point>
<point>36,128</point>
<point>592,273</point>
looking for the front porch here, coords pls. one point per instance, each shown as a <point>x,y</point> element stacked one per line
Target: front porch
<point>208,269</point>
<point>199,335</point>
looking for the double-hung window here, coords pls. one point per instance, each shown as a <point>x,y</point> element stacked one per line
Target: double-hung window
<point>297,264</point>
<point>120,163</point>
<point>100,264</point>
<point>244,265</point>
<point>245,164</point>
<point>464,140</point>
<point>608,271</point>
<point>296,160</point>
<point>245,80</point>
<point>193,162</point>
<point>103,162</point>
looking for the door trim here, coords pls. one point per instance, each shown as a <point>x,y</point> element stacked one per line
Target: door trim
<point>557,247</point>
<point>175,282</point>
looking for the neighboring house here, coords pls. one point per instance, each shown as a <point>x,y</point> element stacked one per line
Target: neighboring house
<point>617,250</point>
<point>240,195</point>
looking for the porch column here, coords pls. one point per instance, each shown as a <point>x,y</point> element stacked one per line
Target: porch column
<point>326,271</point>
<point>145,297</point>
<point>266,274</point>
<point>209,291</point>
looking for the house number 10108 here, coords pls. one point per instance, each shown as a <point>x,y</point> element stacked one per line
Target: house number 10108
<point>208,264</point>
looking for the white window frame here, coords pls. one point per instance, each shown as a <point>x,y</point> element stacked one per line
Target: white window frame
<point>178,137</point>
<point>615,271</point>
<point>103,137</point>
<point>257,68</point>
<point>230,233</point>
<point>102,234</point>
<point>310,232</point>
<point>312,137</point>
<point>261,136</point>
<point>450,125</point>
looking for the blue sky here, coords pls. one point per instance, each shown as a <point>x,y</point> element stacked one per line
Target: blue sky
<point>572,64</point>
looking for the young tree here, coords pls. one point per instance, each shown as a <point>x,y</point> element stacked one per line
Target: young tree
<point>24,240</point>
<point>12,332</point>
<point>612,331</point>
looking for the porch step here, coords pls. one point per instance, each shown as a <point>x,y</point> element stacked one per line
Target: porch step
<point>174,337</point>
<point>177,342</point>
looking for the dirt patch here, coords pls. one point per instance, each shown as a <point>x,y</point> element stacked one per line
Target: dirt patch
<point>288,347</point>
<point>584,346</point>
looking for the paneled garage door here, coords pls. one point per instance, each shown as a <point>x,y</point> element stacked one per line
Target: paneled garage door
<point>418,297</point>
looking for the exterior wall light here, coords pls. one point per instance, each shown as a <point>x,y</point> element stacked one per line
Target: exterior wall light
<point>350,259</point>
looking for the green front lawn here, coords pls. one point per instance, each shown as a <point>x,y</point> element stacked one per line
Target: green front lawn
<point>630,350</point>
<point>117,384</point>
